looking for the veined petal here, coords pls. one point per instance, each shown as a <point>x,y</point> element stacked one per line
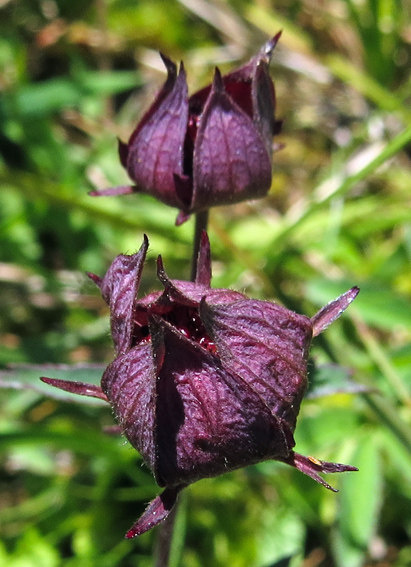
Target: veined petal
<point>231,162</point>
<point>119,289</point>
<point>267,345</point>
<point>208,420</point>
<point>155,149</point>
<point>263,97</point>
<point>129,384</point>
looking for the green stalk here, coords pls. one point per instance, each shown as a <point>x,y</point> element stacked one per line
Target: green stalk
<point>388,414</point>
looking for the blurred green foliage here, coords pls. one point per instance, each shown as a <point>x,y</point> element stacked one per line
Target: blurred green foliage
<point>76,75</point>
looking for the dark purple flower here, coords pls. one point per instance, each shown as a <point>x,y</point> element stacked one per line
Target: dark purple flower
<point>214,148</point>
<point>204,380</point>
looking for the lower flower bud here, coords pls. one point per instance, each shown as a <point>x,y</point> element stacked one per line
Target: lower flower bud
<point>204,380</point>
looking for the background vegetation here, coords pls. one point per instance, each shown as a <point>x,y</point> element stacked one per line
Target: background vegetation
<point>74,76</point>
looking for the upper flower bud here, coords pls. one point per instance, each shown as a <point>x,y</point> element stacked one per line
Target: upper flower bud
<point>214,148</point>
<point>204,380</point>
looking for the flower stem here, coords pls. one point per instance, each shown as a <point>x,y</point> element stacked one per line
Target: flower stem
<point>165,539</point>
<point>201,222</point>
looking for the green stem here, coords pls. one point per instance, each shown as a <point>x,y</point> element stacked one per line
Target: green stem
<point>201,222</point>
<point>388,414</point>
<point>379,356</point>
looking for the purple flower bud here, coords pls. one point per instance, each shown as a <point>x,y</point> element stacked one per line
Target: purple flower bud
<point>214,148</point>
<point>204,380</point>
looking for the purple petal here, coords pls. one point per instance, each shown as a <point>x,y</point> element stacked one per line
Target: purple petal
<point>209,421</point>
<point>246,72</point>
<point>129,383</point>
<point>231,162</point>
<point>179,292</point>
<point>156,512</point>
<point>155,149</point>
<point>238,82</point>
<point>171,292</point>
<point>119,289</point>
<point>332,311</point>
<point>267,345</point>
<point>261,107</point>
<point>184,185</point>
<point>81,388</point>
<point>263,97</point>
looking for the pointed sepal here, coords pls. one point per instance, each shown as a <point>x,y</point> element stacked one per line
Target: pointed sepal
<point>312,467</point>
<point>81,388</point>
<point>330,312</point>
<point>156,512</point>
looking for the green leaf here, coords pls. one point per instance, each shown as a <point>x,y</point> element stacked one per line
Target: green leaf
<point>360,503</point>
<point>33,550</point>
<point>108,82</point>
<point>282,539</point>
<point>35,100</point>
<point>41,99</point>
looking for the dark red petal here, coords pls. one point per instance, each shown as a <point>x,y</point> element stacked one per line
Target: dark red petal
<point>333,310</point>
<point>267,345</point>
<point>129,383</point>
<point>231,162</point>
<point>311,467</point>
<point>238,82</point>
<point>262,95</point>
<point>156,512</point>
<point>155,149</point>
<point>81,388</point>
<point>245,73</point>
<point>209,421</point>
<point>119,288</point>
